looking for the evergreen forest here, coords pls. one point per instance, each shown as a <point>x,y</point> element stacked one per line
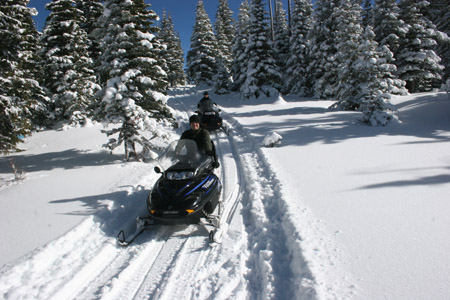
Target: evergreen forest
<point>114,61</point>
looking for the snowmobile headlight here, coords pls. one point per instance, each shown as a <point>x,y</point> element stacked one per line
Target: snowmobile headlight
<point>180,175</point>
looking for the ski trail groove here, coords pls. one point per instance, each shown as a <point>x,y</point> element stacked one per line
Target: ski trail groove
<point>269,229</point>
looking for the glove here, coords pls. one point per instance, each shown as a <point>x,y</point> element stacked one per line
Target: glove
<point>216,164</point>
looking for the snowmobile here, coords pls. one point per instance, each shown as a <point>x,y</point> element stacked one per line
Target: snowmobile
<point>211,119</point>
<point>188,191</point>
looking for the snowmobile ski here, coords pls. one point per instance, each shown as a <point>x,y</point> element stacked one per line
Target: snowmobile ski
<point>142,224</point>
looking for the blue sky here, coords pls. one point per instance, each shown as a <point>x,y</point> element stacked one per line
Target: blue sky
<point>182,12</point>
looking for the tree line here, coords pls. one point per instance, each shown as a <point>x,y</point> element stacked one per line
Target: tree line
<point>94,60</point>
<point>110,61</point>
<point>355,53</point>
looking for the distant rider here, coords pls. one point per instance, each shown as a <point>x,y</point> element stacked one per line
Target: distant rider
<point>206,104</point>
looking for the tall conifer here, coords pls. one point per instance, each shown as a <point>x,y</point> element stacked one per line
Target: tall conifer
<point>134,77</point>
<point>324,49</point>
<point>92,10</point>
<point>225,31</point>
<point>262,76</point>
<point>240,41</point>
<point>202,58</point>
<point>68,72</point>
<point>22,99</point>
<point>281,40</point>
<point>298,80</point>
<point>172,52</point>
<point>418,64</point>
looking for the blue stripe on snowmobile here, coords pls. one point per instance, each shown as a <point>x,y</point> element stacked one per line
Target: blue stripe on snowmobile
<point>200,184</point>
<point>211,187</point>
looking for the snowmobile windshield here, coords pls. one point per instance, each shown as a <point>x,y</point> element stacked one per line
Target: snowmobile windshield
<point>183,155</point>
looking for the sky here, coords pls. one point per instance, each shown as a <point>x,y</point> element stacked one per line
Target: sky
<point>182,12</point>
<point>338,210</point>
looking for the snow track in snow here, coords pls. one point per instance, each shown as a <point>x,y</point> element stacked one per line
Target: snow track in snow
<point>273,274</point>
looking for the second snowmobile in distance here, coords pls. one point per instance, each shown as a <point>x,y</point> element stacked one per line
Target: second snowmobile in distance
<point>210,117</point>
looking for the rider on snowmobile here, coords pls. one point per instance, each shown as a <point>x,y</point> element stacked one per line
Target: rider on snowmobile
<point>201,138</point>
<point>206,104</point>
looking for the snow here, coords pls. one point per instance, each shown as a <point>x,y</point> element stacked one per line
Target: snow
<point>272,139</point>
<point>338,210</point>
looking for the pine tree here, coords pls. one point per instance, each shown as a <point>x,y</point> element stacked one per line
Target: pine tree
<point>367,14</point>
<point>370,67</point>
<point>298,79</point>
<point>348,38</point>
<point>240,41</point>
<point>225,31</point>
<point>364,86</point>
<point>92,10</point>
<point>68,72</point>
<point>134,77</point>
<point>222,80</point>
<point>389,29</point>
<point>202,63</point>
<point>262,75</point>
<point>324,42</point>
<point>439,14</point>
<point>22,99</point>
<point>281,40</point>
<point>388,70</point>
<point>172,53</point>
<point>418,64</point>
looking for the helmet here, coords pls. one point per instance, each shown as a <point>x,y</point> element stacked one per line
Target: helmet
<point>205,93</point>
<point>194,118</point>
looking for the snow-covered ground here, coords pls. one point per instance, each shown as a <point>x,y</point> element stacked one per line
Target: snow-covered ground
<point>338,210</point>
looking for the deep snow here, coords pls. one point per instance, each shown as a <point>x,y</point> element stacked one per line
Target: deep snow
<point>338,210</point>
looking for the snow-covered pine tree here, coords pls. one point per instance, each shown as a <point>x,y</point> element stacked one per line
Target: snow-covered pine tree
<point>417,62</point>
<point>348,38</point>
<point>202,58</point>
<point>240,40</point>
<point>367,14</point>
<point>281,38</point>
<point>439,14</point>
<point>68,73</point>
<point>389,29</point>
<point>130,50</point>
<point>92,10</point>
<point>172,52</point>
<point>298,79</point>
<point>225,31</point>
<point>22,99</point>
<point>262,75</point>
<point>134,77</point>
<point>323,65</point>
<point>222,80</point>
<point>388,70</point>
<point>370,66</point>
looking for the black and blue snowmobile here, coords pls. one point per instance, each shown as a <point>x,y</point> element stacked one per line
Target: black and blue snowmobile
<point>188,191</point>
<point>210,116</point>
